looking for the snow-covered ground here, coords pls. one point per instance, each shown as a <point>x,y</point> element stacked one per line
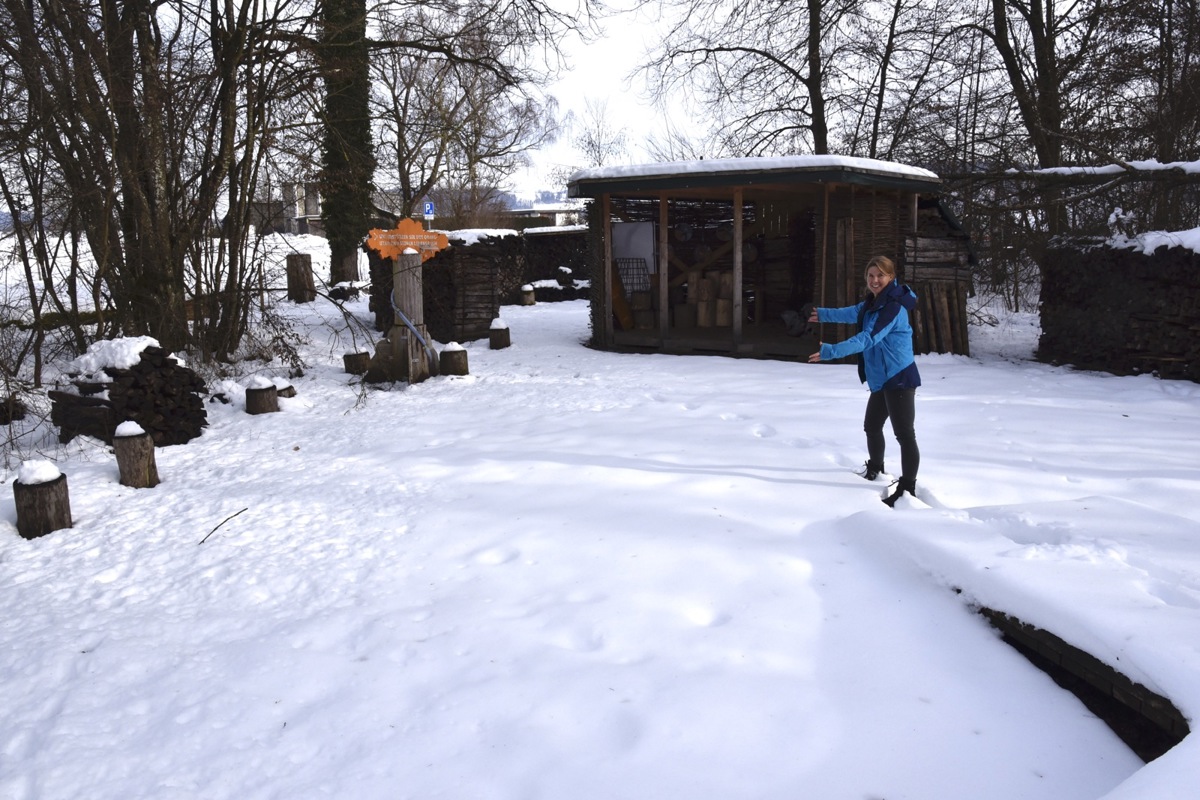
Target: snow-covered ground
<point>575,574</point>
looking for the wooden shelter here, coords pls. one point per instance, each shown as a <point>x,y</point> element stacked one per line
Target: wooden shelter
<point>722,256</point>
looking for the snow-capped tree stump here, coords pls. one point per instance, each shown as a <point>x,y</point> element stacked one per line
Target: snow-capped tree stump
<point>498,335</point>
<point>262,400</point>
<point>300,288</point>
<point>528,296</point>
<point>356,363</point>
<point>453,360</point>
<point>42,507</point>
<point>135,460</point>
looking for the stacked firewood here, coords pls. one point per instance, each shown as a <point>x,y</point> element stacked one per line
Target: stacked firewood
<point>158,393</point>
<point>1122,311</point>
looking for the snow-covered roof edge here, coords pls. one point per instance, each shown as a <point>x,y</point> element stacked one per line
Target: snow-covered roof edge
<point>756,164</point>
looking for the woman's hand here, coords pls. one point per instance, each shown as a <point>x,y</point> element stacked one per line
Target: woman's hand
<point>813,317</point>
<point>815,357</point>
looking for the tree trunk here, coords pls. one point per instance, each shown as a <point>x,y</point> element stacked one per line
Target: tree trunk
<point>135,460</point>
<point>42,507</point>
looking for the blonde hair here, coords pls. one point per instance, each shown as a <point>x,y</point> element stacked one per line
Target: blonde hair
<point>883,264</point>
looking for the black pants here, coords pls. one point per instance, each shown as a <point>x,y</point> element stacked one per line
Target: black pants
<point>899,405</point>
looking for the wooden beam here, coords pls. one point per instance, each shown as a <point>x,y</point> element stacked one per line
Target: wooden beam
<point>607,278</point>
<point>738,197</point>
<point>664,302</point>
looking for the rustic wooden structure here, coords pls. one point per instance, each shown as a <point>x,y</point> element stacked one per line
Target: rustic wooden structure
<point>406,354</point>
<point>1122,310</point>
<point>135,460</point>
<point>1147,722</point>
<point>300,287</point>
<point>356,363</point>
<point>453,361</point>
<point>547,250</point>
<point>262,400</point>
<point>158,393</point>
<point>466,284</point>
<point>42,507</point>
<point>739,247</point>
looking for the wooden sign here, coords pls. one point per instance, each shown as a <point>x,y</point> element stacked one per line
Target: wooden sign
<point>407,233</point>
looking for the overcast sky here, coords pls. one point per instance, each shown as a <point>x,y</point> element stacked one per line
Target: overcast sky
<point>599,72</point>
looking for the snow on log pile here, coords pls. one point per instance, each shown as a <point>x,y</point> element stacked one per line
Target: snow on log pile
<point>1123,308</point>
<point>130,379</point>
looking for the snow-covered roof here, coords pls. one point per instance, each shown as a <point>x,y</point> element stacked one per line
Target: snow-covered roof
<point>1148,165</point>
<point>748,171</point>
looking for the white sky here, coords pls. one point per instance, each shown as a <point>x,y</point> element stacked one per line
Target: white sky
<point>608,577</point>
<point>600,71</point>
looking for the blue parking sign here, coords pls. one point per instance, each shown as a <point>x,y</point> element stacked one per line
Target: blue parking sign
<point>428,209</point>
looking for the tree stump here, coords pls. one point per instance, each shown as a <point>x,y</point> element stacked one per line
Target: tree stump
<point>453,362</point>
<point>264,400</point>
<point>42,507</point>
<point>499,338</point>
<point>300,288</point>
<point>356,363</point>
<point>528,296</point>
<point>135,460</point>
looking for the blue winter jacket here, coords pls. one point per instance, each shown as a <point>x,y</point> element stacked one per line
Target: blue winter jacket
<point>884,338</point>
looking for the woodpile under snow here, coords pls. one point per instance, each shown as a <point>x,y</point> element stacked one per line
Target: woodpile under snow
<point>1122,310</point>
<point>130,380</point>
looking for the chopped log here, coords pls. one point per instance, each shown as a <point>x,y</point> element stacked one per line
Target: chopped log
<point>453,362</point>
<point>499,338</point>
<point>300,288</point>
<point>42,507</point>
<point>724,313</point>
<point>135,460</point>
<point>356,363</point>
<point>263,400</point>
<point>528,297</point>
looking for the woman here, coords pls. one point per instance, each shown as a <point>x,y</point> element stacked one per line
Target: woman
<point>887,367</point>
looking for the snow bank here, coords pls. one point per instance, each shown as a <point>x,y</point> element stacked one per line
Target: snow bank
<point>116,353</point>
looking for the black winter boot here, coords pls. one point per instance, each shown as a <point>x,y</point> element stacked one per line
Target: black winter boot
<point>871,470</point>
<point>903,485</point>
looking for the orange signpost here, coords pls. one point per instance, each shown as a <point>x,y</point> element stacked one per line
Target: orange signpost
<point>408,233</point>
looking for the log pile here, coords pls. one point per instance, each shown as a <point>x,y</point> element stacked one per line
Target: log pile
<point>158,393</point>
<point>1122,311</point>
<point>547,250</point>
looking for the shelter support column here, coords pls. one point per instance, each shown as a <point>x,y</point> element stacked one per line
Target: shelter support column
<point>738,198</point>
<point>606,311</point>
<point>662,289</point>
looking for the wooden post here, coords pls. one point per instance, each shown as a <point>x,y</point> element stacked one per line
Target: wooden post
<point>42,507</point>
<point>453,360</point>
<point>528,297</point>
<point>262,400</point>
<point>135,460</point>
<point>498,335</point>
<point>737,279</point>
<point>356,363</point>
<point>408,295</point>
<point>300,287</point>
<point>661,272</point>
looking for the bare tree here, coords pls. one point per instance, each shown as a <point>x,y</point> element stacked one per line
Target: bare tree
<point>598,140</point>
<point>759,69</point>
<point>453,124</point>
<point>150,117</point>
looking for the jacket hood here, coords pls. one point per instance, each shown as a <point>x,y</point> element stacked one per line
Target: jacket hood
<point>902,294</point>
<point>899,292</point>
